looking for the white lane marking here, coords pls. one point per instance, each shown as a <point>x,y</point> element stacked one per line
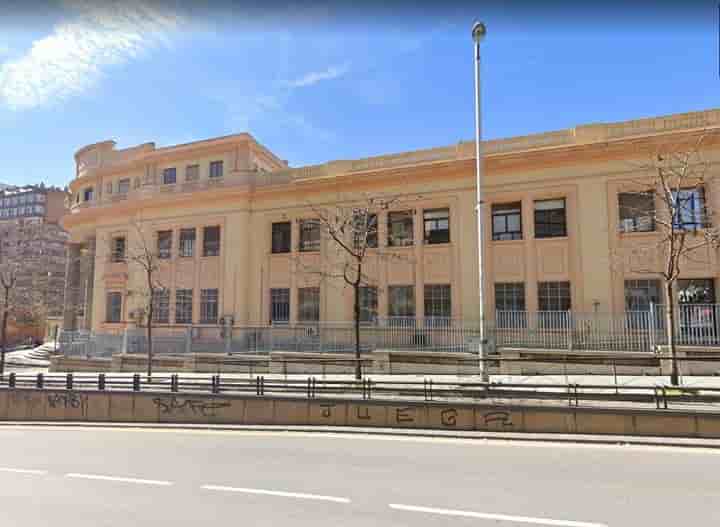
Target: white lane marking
<point>497,517</point>
<point>120,479</point>
<point>277,493</point>
<point>23,471</point>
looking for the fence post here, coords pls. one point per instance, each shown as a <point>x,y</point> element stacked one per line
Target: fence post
<point>69,381</point>
<point>651,326</point>
<point>136,382</point>
<point>568,329</point>
<point>39,382</point>
<point>101,381</point>
<point>11,380</point>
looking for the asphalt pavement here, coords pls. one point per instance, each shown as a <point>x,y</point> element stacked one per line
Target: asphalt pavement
<point>132,477</point>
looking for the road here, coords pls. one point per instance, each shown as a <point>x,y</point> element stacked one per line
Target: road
<point>130,477</point>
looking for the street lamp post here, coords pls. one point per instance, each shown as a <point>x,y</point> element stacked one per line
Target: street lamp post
<point>478,33</point>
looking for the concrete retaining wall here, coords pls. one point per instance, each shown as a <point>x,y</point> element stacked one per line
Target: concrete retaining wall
<point>51,405</point>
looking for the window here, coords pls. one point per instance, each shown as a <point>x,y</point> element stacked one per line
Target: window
<point>216,169</point>
<point>41,198</point>
<point>510,296</point>
<point>437,226</point>
<point>169,176</point>
<point>192,172</point>
<point>365,230</point>
<point>109,187</point>
<point>209,306</point>
<point>164,244</point>
<point>118,249</point>
<point>438,301</point>
<point>183,306</point>
<point>554,296</point>
<point>211,241</point>
<point>639,294</point>
<point>510,305</point>
<point>88,194</point>
<point>279,305</point>
<point>113,309</point>
<point>309,304</point>
<point>281,237</point>
<point>507,221</point>
<point>400,229</point>
<point>637,211</point>
<point>368,304</point>
<point>690,211</point>
<point>124,186</point>
<point>696,291</point>
<point>309,235</point>
<point>161,307</point>
<point>187,243</point>
<point>402,301</point>
<point>550,220</point>
<point>554,304</point>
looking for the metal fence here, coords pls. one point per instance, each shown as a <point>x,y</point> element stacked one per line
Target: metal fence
<point>695,325</point>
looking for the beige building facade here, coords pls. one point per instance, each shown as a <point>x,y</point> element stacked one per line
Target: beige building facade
<point>230,222</point>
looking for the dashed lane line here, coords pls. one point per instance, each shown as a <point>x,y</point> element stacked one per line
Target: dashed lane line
<point>120,479</point>
<point>279,493</point>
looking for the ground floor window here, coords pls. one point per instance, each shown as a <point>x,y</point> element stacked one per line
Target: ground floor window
<point>401,301</point>
<point>368,304</point>
<point>113,312</point>
<point>161,307</point>
<point>309,304</point>
<point>183,306</point>
<point>438,301</point>
<point>209,306</point>
<point>554,303</point>
<point>510,305</point>
<point>279,305</point>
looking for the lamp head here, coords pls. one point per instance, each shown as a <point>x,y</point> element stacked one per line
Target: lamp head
<point>478,31</point>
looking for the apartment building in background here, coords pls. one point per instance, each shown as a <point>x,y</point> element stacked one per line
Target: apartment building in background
<point>233,226</point>
<point>32,240</point>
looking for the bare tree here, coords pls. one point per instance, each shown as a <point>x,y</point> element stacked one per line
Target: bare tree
<point>145,256</point>
<point>670,202</point>
<point>351,229</point>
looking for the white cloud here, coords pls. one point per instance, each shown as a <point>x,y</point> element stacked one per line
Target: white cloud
<point>309,79</point>
<point>72,58</point>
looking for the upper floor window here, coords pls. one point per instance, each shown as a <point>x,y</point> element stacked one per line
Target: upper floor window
<point>187,243</point>
<point>507,221</point>
<point>211,241</point>
<point>164,244</point>
<point>216,169</point>
<point>113,307</point>
<point>400,229</point>
<point>88,194</point>
<point>637,211</point>
<point>169,176</point>
<point>365,230</point>
<point>281,237</point>
<point>550,218</point>
<point>689,205</point>
<point>192,172</point>
<point>118,249</point>
<point>437,226</point>
<point>309,235</point>
<point>109,187</point>
<point>124,186</point>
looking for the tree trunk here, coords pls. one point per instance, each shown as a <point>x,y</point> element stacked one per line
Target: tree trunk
<point>149,336</point>
<point>356,320</point>
<point>670,332</point>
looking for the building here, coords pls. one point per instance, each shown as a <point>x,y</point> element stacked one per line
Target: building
<point>34,242</point>
<point>230,220</point>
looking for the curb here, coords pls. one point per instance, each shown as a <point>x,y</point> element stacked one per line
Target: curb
<point>602,440</point>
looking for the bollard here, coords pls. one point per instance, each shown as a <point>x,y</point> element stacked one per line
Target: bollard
<point>101,381</point>
<point>11,380</point>
<point>69,381</point>
<point>136,382</point>
<point>216,384</point>
<point>40,380</point>
<point>174,382</point>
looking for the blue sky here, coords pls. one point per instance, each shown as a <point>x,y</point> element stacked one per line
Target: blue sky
<point>330,81</point>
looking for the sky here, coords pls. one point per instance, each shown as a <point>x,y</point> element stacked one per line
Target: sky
<point>317,81</point>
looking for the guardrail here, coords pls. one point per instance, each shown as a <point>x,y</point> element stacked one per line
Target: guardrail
<point>571,394</point>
